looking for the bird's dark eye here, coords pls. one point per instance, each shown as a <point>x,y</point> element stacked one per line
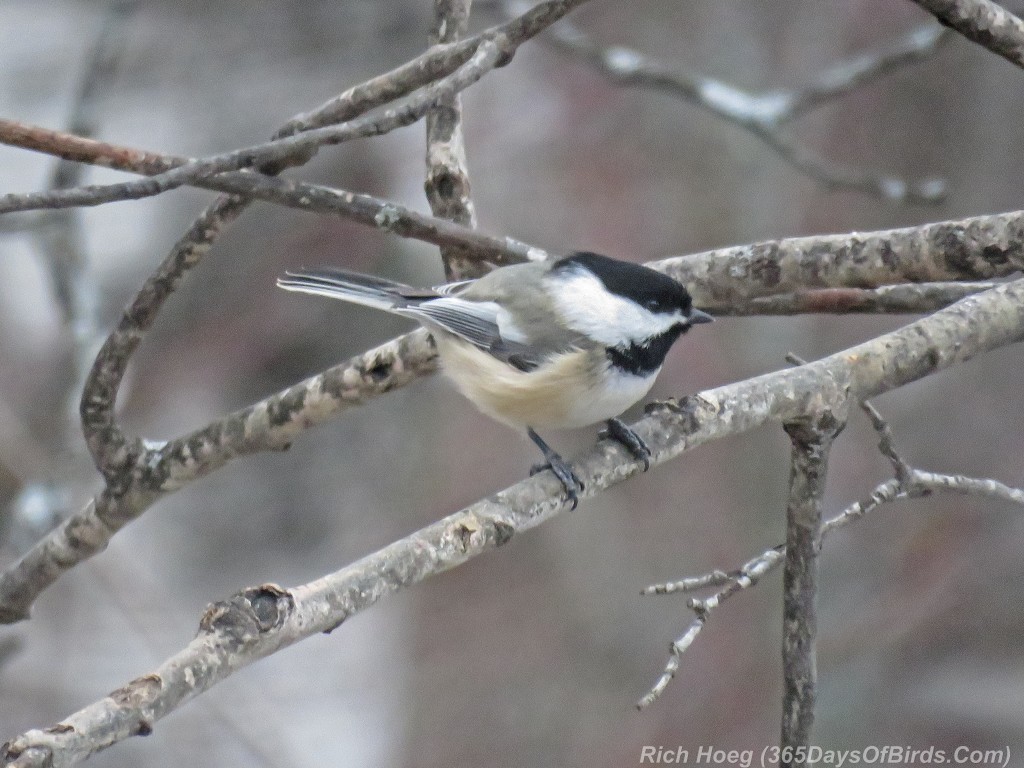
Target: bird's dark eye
<point>651,304</point>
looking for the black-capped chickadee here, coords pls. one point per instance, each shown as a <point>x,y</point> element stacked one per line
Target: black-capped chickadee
<point>559,344</point>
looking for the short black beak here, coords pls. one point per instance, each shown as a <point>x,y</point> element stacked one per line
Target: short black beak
<point>699,318</point>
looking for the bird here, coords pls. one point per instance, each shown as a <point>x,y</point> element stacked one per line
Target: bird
<point>555,344</point>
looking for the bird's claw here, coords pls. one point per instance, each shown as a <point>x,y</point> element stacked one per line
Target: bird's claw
<point>621,433</point>
<point>570,480</point>
<point>560,468</point>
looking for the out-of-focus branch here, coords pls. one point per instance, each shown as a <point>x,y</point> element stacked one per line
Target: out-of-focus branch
<point>982,247</point>
<point>812,439</point>
<point>62,239</point>
<point>299,139</point>
<point>112,452</point>
<point>364,209</point>
<point>766,115</point>
<point>979,248</point>
<point>264,619</point>
<point>447,183</point>
<point>435,63</point>
<point>20,452</point>
<point>487,56</point>
<point>61,242</point>
<point>887,299</point>
<point>984,22</point>
<point>908,483</point>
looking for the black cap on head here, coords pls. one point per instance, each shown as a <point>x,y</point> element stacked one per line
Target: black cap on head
<point>650,289</point>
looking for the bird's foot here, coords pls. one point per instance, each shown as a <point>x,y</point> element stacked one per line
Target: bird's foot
<point>620,432</point>
<point>560,468</point>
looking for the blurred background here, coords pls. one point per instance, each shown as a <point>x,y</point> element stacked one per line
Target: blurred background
<point>536,653</point>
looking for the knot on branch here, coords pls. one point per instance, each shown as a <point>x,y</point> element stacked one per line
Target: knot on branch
<point>817,428</point>
<point>687,413</point>
<point>246,615</point>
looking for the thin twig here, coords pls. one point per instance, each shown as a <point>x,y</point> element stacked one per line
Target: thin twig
<point>722,280</point>
<point>364,209</point>
<point>765,115</point>
<point>437,62</point>
<point>487,56</point>
<point>908,483</point>
<point>743,578</point>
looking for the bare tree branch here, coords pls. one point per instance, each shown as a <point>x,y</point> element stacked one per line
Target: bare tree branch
<point>59,237</point>
<point>439,61</point>
<point>947,251</point>
<point>490,49</point>
<point>365,209</point>
<point>489,53</point>
<point>744,577</point>
<point>984,22</point>
<point>888,299</point>
<point>62,239</point>
<point>144,471</point>
<point>112,452</point>
<point>262,620</point>
<point>862,69</point>
<point>447,183</point>
<point>765,115</point>
<point>981,248</point>
<point>908,483</point>
<point>812,439</point>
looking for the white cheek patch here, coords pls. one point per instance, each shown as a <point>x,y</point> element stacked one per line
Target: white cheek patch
<point>589,308</point>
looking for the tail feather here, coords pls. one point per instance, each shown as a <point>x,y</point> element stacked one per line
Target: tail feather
<point>367,290</point>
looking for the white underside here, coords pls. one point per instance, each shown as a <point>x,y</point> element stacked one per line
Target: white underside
<point>620,391</point>
<point>571,391</point>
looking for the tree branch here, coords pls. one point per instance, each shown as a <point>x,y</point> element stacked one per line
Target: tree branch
<point>447,183</point>
<point>765,115</point>
<point>145,470</point>
<point>488,55</point>
<point>984,22</point>
<point>908,483</point>
<point>812,439</point>
<point>981,248</point>
<point>261,620</point>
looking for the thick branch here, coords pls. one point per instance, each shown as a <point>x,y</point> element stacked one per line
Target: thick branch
<point>984,22</point>
<point>812,442</point>
<point>112,452</point>
<point>271,424</point>
<point>261,620</point>
<point>981,248</point>
<point>726,278</point>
